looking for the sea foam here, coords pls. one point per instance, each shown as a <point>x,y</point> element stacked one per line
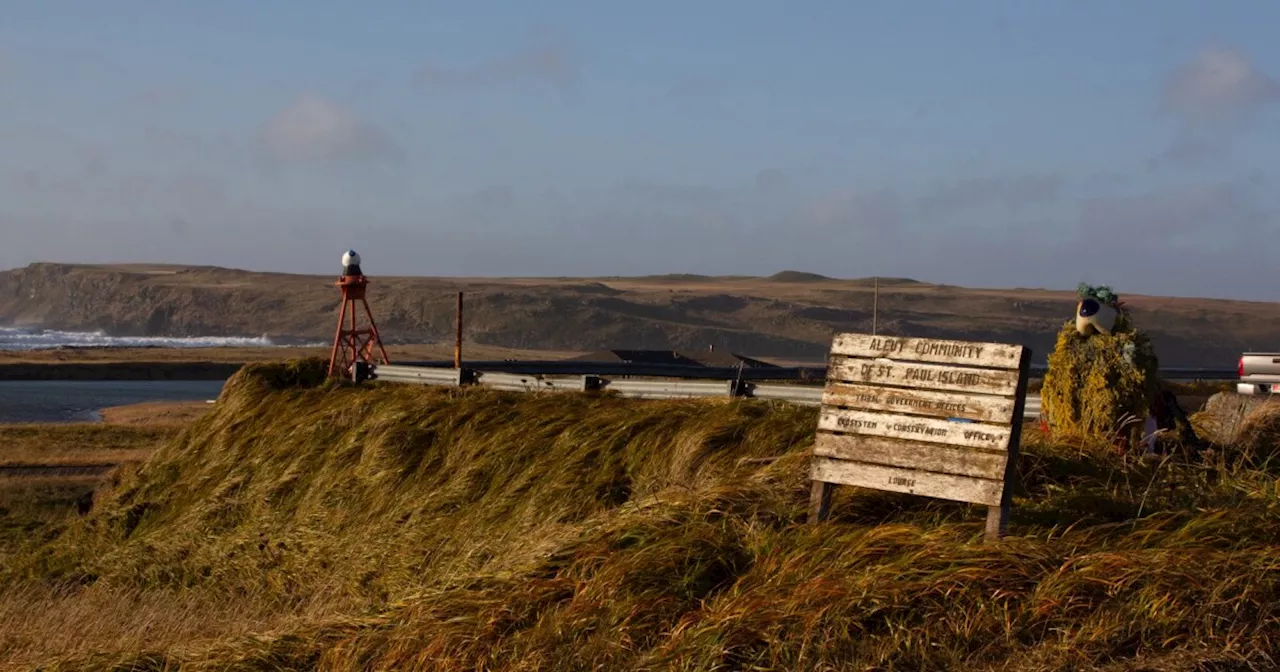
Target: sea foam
<point>43,339</point>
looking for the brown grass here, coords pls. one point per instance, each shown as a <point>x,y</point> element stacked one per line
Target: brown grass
<point>339,528</point>
<point>166,413</point>
<point>80,443</point>
<point>34,500</point>
<point>1259,440</point>
<point>76,624</point>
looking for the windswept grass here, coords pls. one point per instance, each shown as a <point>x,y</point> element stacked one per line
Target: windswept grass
<point>86,443</point>
<point>40,479</point>
<point>303,526</point>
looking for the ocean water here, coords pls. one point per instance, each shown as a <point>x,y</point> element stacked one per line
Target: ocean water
<point>39,339</point>
<point>80,400</point>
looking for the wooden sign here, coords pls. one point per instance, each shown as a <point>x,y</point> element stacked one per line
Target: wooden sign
<point>936,418</point>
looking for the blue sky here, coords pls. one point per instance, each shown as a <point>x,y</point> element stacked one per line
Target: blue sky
<point>979,143</point>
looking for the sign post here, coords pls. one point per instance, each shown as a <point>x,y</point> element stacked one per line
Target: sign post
<point>930,417</point>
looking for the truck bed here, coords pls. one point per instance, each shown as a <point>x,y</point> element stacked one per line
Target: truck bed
<point>1259,373</point>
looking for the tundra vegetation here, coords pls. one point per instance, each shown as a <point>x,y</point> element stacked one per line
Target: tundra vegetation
<point>303,524</point>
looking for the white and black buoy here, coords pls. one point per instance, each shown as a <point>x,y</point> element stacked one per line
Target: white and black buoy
<point>351,263</point>
<point>354,346</point>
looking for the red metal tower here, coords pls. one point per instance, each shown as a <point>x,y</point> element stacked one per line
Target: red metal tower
<point>352,344</point>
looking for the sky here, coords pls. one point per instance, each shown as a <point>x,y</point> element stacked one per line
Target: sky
<point>985,143</point>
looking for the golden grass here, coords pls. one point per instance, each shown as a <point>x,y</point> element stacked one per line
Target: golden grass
<point>80,443</point>
<point>156,413</point>
<point>39,625</point>
<point>304,526</point>
<point>1259,440</point>
<point>48,485</point>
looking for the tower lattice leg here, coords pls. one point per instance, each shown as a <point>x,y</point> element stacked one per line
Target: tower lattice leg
<point>351,343</point>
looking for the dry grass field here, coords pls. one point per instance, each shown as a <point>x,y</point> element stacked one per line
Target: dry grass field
<point>295,526</point>
<point>50,471</point>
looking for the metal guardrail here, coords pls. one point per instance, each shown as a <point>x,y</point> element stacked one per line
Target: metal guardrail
<point>811,373</point>
<point>608,369</point>
<point>810,395</point>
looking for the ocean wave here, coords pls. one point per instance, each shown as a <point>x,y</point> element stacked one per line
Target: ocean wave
<point>44,339</point>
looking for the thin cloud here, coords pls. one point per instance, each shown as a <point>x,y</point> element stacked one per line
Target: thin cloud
<point>314,129</point>
<point>695,87</point>
<point>1013,192</point>
<point>495,197</point>
<point>661,195</point>
<point>164,96</point>
<point>1217,85</point>
<point>876,213</point>
<point>771,180</point>
<point>1213,97</point>
<point>1217,210</point>
<point>92,159</point>
<point>550,62</point>
<point>1191,150</point>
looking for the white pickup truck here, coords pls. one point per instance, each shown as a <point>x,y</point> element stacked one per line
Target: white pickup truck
<point>1259,373</point>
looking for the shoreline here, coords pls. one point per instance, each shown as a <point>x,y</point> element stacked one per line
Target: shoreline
<point>109,363</point>
<point>117,371</point>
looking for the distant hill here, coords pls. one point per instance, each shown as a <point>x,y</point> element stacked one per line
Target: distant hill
<point>789,315</point>
<point>798,276</point>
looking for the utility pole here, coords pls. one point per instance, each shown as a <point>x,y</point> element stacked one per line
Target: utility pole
<point>457,339</point>
<point>875,304</point>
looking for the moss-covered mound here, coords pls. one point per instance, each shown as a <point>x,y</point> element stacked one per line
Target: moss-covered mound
<point>382,527</point>
<point>1101,386</point>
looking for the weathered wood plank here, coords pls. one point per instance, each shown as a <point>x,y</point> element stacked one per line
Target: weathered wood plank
<point>923,376</point>
<point>998,515</point>
<point>893,479</point>
<point>959,461</point>
<point>820,501</point>
<point>914,428</point>
<point>937,351</point>
<point>920,402</point>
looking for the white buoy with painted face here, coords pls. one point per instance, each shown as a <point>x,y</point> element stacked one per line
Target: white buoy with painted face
<point>351,263</point>
<point>1093,316</point>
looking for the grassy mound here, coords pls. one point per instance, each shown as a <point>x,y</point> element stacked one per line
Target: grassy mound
<point>340,528</point>
<point>1093,390</point>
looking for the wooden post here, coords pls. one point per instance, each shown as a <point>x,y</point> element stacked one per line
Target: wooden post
<point>820,501</point>
<point>998,516</point>
<point>457,342</point>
